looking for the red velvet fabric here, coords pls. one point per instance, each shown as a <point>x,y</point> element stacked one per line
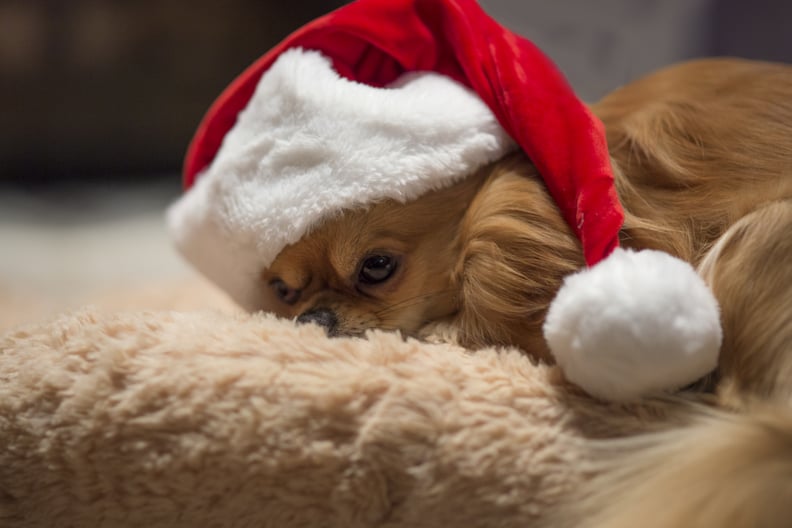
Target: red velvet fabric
<point>375,41</point>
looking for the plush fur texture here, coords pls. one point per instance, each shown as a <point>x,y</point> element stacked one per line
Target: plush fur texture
<point>165,419</point>
<point>204,419</point>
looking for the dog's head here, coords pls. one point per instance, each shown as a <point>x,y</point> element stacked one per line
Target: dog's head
<point>388,265</point>
<point>486,254</point>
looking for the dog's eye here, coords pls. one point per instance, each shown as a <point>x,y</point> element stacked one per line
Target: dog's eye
<point>376,269</point>
<point>284,292</point>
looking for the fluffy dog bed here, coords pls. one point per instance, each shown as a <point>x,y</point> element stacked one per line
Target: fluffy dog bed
<point>211,419</point>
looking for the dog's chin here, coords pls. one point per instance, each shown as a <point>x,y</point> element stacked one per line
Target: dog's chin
<point>359,324</point>
<point>436,332</point>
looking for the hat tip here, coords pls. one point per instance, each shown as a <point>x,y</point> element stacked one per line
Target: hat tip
<point>635,324</point>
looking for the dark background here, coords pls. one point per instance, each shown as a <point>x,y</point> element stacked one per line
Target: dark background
<point>112,89</point>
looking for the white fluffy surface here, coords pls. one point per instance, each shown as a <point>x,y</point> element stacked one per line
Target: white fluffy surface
<point>205,420</point>
<point>311,144</point>
<point>637,323</point>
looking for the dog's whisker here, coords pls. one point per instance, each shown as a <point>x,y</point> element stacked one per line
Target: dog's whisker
<point>412,301</point>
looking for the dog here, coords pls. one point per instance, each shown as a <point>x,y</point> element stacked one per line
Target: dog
<point>694,149</point>
<point>702,156</point>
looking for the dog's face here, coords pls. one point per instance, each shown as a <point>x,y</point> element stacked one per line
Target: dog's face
<point>485,255</point>
<point>389,266</point>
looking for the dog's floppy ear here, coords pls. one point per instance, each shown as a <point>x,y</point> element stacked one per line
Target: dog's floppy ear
<point>516,250</point>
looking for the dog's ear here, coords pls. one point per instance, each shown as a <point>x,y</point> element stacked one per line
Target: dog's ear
<point>516,250</point>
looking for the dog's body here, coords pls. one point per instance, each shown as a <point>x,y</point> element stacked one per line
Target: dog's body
<point>702,154</point>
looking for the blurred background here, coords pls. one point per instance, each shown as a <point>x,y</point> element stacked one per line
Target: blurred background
<point>99,98</point>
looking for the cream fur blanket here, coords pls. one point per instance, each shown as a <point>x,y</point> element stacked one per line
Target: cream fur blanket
<point>204,419</point>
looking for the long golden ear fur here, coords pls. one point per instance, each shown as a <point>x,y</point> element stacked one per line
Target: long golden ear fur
<point>516,250</point>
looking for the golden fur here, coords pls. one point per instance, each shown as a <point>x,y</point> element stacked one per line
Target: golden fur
<point>702,154</point>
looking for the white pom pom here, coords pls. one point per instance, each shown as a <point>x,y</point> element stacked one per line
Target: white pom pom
<point>636,324</point>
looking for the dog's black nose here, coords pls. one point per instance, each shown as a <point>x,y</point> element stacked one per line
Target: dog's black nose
<point>323,317</point>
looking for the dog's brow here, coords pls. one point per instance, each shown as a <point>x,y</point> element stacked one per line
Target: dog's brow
<point>387,240</point>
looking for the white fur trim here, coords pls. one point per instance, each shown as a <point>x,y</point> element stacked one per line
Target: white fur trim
<point>310,144</point>
<point>636,324</point>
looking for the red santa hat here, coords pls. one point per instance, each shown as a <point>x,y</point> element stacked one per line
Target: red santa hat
<point>392,98</point>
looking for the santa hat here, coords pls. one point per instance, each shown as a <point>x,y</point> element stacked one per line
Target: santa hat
<point>392,98</point>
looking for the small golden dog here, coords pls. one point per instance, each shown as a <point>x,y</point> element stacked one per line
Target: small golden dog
<point>695,148</point>
<point>702,154</point>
